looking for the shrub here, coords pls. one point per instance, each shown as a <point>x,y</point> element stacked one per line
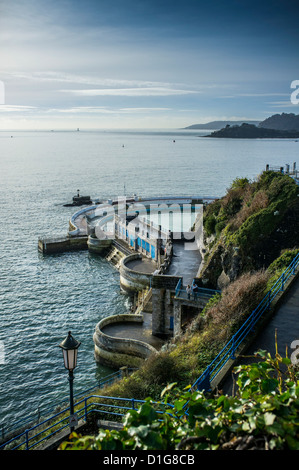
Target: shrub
<point>231,202</point>
<point>237,301</point>
<point>259,201</point>
<point>219,227</point>
<point>240,183</point>
<point>280,265</point>
<point>209,225</point>
<point>284,260</point>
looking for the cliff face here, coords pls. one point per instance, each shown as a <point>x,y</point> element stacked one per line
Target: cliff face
<point>249,227</point>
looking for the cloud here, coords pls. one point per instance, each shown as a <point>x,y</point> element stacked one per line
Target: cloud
<point>61,77</point>
<point>284,104</point>
<point>254,95</point>
<point>139,91</point>
<point>16,108</point>
<point>105,110</point>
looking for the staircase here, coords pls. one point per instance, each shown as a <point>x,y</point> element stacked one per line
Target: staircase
<point>144,301</point>
<point>118,251</point>
<point>115,257</point>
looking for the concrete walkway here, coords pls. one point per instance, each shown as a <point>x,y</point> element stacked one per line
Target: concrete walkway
<point>285,321</point>
<point>184,263</point>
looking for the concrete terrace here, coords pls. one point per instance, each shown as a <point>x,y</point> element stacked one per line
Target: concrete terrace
<point>140,332</point>
<point>185,263</point>
<point>143,265</point>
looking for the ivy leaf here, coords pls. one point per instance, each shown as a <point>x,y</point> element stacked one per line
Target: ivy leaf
<point>269,385</point>
<point>292,443</point>
<point>269,418</point>
<point>168,388</point>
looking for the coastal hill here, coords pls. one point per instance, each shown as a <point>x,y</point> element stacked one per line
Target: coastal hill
<point>277,126</point>
<point>249,227</point>
<point>282,122</point>
<point>250,131</point>
<point>214,125</point>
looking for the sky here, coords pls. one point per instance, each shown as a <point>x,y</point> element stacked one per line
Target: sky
<point>123,64</point>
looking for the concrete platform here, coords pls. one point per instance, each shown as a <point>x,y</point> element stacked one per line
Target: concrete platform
<point>184,263</point>
<point>143,265</point>
<point>140,332</point>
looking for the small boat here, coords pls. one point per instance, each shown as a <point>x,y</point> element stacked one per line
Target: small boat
<point>79,201</point>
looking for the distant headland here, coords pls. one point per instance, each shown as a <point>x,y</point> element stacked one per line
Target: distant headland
<point>215,125</point>
<point>249,131</point>
<point>277,126</point>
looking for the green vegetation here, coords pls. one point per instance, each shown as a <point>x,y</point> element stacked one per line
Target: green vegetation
<point>263,415</point>
<point>258,218</point>
<point>248,207</point>
<point>278,266</point>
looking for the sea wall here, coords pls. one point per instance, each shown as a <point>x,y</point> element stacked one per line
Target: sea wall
<point>95,245</point>
<point>131,280</point>
<point>75,223</point>
<point>61,244</point>
<point>118,352</point>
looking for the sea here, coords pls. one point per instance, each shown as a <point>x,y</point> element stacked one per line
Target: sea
<point>43,297</point>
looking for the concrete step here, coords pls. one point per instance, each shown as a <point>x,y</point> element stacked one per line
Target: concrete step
<point>111,425</point>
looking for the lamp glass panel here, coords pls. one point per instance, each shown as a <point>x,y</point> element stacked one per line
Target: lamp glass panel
<point>72,359</point>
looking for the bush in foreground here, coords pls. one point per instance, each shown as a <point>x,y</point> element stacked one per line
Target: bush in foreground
<point>262,416</point>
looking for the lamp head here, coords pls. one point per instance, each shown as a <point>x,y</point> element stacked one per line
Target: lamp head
<point>69,348</point>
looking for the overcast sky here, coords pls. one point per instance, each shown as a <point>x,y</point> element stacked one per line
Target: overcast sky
<point>145,63</point>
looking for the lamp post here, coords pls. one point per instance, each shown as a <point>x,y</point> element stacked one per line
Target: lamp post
<point>69,348</point>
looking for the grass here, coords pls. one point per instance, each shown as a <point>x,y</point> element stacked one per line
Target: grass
<point>280,265</point>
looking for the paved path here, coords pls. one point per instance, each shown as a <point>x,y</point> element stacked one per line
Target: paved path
<point>286,322</point>
<point>184,263</point>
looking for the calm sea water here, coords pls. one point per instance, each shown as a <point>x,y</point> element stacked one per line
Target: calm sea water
<point>43,297</point>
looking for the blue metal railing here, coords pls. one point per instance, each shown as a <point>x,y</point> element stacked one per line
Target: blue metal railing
<point>201,292</point>
<point>178,288</point>
<point>229,350</point>
<point>34,436</point>
<point>50,410</point>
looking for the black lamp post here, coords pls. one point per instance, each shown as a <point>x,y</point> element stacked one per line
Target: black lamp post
<point>69,348</point>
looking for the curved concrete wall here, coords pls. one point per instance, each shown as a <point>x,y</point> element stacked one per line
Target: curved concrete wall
<point>118,352</point>
<point>98,246</point>
<point>131,280</point>
<point>74,229</point>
